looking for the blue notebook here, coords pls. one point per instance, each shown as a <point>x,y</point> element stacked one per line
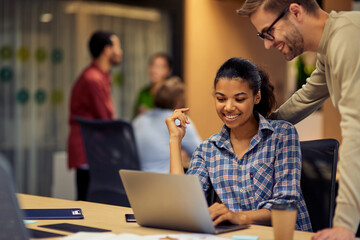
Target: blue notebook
<point>57,213</point>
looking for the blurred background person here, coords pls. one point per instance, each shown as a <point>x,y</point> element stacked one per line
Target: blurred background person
<point>151,133</point>
<point>160,69</point>
<point>91,98</point>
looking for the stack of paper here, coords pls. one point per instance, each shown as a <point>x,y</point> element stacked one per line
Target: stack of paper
<point>128,236</point>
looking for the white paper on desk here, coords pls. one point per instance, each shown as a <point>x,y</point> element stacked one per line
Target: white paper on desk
<point>184,236</point>
<point>128,236</point>
<point>29,221</point>
<point>100,236</point>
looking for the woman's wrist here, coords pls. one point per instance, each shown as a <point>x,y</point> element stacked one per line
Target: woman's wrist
<point>243,218</point>
<point>175,140</point>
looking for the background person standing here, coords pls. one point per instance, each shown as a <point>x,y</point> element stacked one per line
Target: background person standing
<point>159,70</point>
<point>91,99</point>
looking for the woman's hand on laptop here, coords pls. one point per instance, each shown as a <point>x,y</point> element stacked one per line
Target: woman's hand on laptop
<point>220,213</point>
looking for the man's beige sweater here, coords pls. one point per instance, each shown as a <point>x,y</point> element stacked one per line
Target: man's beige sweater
<point>337,76</point>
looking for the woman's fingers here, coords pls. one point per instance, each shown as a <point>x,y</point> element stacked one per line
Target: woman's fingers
<point>183,111</point>
<point>174,129</point>
<point>216,210</point>
<point>224,217</point>
<point>220,213</point>
<point>180,115</point>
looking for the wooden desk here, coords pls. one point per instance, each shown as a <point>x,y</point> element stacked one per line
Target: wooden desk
<point>112,218</point>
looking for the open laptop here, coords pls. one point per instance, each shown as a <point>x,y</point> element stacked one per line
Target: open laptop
<point>11,217</point>
<point>170,201</point>
<point>11,221</point>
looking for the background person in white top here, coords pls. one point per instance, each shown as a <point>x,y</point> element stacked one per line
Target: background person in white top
<point>151,134</point>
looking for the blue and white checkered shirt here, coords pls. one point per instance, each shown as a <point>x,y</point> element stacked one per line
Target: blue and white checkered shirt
<point>268,172</point>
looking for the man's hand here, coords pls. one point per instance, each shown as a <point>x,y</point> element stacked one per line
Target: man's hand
<point>335,233</point>
<point>219,213</point>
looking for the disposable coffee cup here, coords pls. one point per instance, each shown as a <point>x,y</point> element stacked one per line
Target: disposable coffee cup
<point>283,219</point>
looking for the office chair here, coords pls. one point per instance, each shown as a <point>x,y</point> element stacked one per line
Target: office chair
<point>11,219</point>
<point>318,180</point>
<point>109,147</point>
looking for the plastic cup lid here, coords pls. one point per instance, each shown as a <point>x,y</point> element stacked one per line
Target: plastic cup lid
<point>284,206</point>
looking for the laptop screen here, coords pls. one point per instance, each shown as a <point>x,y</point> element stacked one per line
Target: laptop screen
<point>169,201</point>
<point>11,222</point>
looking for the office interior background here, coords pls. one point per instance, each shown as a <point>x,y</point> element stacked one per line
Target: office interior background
<point>43,48</point>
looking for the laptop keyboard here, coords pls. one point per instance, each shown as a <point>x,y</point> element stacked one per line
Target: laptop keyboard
<point>228,226</point>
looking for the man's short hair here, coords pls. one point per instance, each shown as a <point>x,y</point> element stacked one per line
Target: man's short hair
<point>170,94</point>
<point>276,6</point>
<point>98,41</point>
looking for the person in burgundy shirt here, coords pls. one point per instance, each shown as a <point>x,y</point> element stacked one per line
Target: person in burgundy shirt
<point>91,98</point>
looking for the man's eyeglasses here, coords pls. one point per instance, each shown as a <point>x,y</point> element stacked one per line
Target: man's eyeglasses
<point>266,34</point>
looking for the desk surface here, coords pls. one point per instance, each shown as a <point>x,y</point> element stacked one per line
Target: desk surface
<point>112,218</point>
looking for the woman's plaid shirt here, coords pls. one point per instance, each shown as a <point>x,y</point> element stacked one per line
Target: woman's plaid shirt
<point>268,172</point>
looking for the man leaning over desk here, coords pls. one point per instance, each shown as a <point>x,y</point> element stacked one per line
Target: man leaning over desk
<point>293,27</point>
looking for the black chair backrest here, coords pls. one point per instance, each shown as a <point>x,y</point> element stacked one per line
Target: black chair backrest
<point>109,146</point>
<point>318,180</point>
<point>11,220</point>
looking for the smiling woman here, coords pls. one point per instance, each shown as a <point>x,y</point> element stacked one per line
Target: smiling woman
<point>252,162</point>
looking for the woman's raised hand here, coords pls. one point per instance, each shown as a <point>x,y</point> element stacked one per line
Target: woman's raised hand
<point>177,131</point>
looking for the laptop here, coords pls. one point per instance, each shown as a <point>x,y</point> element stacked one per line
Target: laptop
<point>11,221</point>
<point>170,201</point>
